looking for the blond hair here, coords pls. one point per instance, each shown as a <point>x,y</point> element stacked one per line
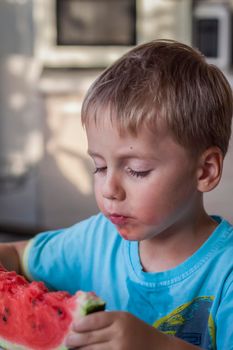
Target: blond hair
<point>170,81</point>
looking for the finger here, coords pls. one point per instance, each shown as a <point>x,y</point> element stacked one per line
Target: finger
<point>95,321</point>
<point>94,347</point>
<point>79,340</point>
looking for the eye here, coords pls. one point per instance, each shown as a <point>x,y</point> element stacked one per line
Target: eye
<point>138,173</point>
<point>100,170</point>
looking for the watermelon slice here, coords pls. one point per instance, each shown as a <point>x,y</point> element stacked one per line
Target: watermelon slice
<point>33,318</point>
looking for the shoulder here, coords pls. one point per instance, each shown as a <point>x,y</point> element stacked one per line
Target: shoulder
<point>96,227</point>
<point>98,221</point>
<point>221,240</point>
<point>224,230</point>
<point>222,251</point>
<point>66,245</point>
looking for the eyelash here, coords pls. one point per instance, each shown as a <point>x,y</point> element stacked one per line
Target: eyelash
<point>99,170</point>
<point>138,173</point>
<point>130,171</point>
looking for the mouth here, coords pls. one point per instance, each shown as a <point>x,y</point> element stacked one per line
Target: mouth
<point>117,219</point>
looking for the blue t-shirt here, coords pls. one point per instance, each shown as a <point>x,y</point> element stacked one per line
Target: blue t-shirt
<point>193,301</point>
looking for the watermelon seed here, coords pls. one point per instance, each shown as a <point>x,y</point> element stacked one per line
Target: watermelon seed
<point>59,311</point>
<point>4,318</point>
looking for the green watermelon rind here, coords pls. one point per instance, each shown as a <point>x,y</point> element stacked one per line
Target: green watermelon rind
<point>92,306</point>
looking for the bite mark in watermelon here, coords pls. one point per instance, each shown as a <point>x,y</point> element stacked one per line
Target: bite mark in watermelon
<point>32,318</point>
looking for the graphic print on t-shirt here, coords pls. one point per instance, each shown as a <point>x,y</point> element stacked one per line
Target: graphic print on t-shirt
<point>191,322</point>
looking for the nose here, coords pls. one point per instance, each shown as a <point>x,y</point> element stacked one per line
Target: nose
<point>112,188</point>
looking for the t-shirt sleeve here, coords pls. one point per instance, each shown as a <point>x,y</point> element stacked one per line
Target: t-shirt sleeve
<point>63,259</point>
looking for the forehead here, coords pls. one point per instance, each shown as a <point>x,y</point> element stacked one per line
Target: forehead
<point>105,140</point>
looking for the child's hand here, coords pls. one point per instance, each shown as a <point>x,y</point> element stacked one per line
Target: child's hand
<point>114,331</point>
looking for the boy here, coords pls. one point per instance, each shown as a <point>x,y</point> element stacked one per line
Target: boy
<point>158,124</point>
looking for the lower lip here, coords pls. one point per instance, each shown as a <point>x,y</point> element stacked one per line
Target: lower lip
<point>118,219</point>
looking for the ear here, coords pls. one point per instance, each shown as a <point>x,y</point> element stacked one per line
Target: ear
<point>210,169</point>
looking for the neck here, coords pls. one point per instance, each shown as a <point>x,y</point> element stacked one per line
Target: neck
<point>170,248</point>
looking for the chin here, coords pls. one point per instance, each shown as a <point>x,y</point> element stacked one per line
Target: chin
<point>129,235</point>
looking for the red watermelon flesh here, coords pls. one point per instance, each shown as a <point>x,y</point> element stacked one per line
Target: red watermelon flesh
<point>33,318</point>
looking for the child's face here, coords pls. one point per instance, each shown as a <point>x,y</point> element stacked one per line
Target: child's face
<point>144,184</point>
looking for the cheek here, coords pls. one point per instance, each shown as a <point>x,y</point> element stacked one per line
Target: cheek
<point>98,196</point>
<point>152,207</point>
<point>147,205</point>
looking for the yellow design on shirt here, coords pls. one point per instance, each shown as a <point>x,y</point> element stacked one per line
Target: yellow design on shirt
<point>191,321</point>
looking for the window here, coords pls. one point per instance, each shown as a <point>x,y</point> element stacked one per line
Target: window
<point>96,22</point>
<point>212,32</point>
<point>206,36</point>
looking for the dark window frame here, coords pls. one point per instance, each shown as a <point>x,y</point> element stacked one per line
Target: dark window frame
<point>133,34</point>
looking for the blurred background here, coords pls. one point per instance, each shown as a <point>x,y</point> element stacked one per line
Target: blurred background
<point>50,52</point>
